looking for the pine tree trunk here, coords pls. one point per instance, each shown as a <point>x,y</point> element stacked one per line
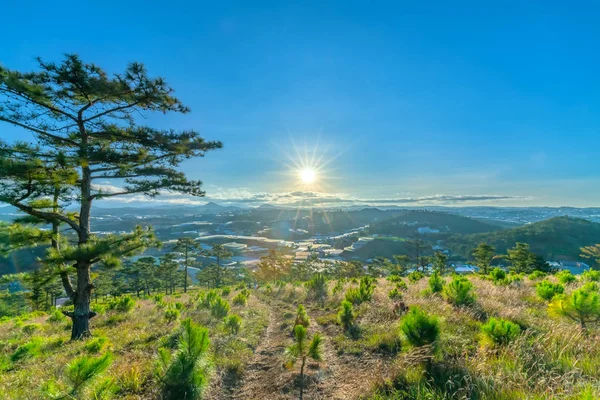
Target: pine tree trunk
<point>82,314</point>
<point>302,377</point>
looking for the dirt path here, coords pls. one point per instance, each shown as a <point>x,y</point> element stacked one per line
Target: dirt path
<point>265,376</point>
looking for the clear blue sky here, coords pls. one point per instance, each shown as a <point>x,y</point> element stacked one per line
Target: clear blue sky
<point>407,99</point>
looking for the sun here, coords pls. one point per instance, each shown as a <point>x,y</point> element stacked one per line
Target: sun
<point>308,175</point>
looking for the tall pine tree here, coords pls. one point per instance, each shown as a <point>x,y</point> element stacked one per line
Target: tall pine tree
<point>86,133</point>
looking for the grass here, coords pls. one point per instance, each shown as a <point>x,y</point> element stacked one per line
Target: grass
<point>548,358</point>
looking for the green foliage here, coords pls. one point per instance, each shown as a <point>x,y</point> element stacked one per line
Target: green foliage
<point>419,328</point>
<point>565,277</point>
<point>122,304</point>
<point>497,275</point>
<point>171,314</point>
<point>346,315</point>
<point>301,317</point>
<point>401,285</point>
<point>363,293</point>
<point>582,306</point>
<point>268,289</point>
<point>547,290</point>
<point>225,291</point>
<point>96,345</point>
<point>183,374</point>
<point>57,317</point>
<point>317,287</point>
<point>459,292</point>
<point>395,294</point>
<point>207,300</point>
<point>436,283</point>
<point>219,308</point>
<point>29,329</point>
<point>301,351</point>
<point>240,299</point>
<point>84,369</point>
<point>500,331</point>
<point>535,275</point>
<point>483,254</point>
<point>158,298</point>
<point>415,276</point>
<point>233,323</point>
<point>30,349</point>
<point>591,275</point>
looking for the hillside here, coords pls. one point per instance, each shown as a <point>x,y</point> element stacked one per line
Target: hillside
<point>555,238</point>
<point>411,220</point>
<point>375,361</point>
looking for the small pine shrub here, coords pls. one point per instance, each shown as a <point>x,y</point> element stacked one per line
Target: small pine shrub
<point>84,369</point>
<point>30,349</point>
<point>29,329</point>
<point>591,286</point>
<point>122,304</point>
<point>301,317</point>
<point>535,275</point>
<point>317,288</point>
<point>363,293</point>
<point>178,305</point>
<point>419,328</point>
<point>219,308</point>
<point>268,289</point>
<point>394,294</point>
<point>353,296</point>
<point>346,315</point>
<point>338,288</point>
<point>158,298</point>
<point>226,291</point>
<point>582,306</point>
<point>96,345</point>
<point>547,290</point>
<point>394,278</point>
<point>459,292</point>
<point>500,331</point>
<point>436,283</point>
<point>497,275</point>
<point>183,375</point>
<point>591,275</point>
<point>240,299</point>
<point>401,285</point>
<point>171,314</point>
<point>565,277</point>
<point>233,323</point>
<point>57,317</point>
<point>415,276</point>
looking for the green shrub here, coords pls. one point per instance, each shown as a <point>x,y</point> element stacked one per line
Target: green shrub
<point>339,287</point>
<point>394,294</point>
<point>226,291</point>
<point>394,278</point>
<point>240,299</point>
<point>401,285</point>
<point>582,306</point>
<point>547,290</point>
<point>459,292</point>
<point>419,328</point>
<point>233,323</point>
<point>497,274</point>
<point>183,375</point>
<point>565,277</point>
<point>436,282</point>
<point>84,369</point>
<point>362,293</point>
<point>500,331</point>
<point>57,317</point>
<point>346,315</point>
<point>171,314</point>
<point>158,298</point>
<point>415,276</point>
<point>96,345</point>
<point>178,305</point>
<point>219,308</point>
<point>30,349</point>
<point>122,304</point>
<point>535,275</point>
<point>301,317</point>
<point>386,343</point>
<point>268,289</point>
<point>29,329</point>
<point>209,298</point>
<point>317,288</point>
<point>591,286</point>
<point>591,275</point>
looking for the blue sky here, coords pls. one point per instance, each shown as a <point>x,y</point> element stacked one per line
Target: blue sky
<point>438,103</point>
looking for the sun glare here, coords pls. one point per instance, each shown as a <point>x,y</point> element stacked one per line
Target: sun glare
<point>308,175</point>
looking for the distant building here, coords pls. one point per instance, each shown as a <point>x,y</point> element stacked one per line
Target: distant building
<point>234,246</point>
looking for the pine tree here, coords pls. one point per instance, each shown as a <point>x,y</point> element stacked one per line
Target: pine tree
<point>84,123</point>
<point>188,247</point>
<point>484,254</point>
<point>219,252</point>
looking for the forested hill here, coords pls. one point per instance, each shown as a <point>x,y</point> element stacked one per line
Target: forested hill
<point>411,220</point>
<point>555,238</point>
